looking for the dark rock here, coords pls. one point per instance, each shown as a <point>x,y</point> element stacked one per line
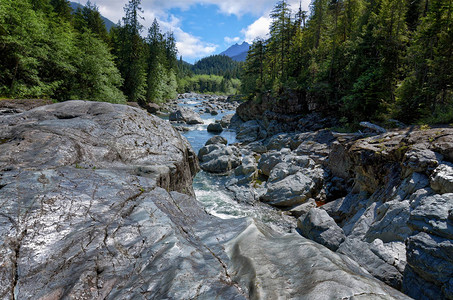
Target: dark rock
<point>251,131</point>
<point>215,127</point>
<point>226,120</point>
<point>152,108</point>
<point>217,139</point>
<point>430,257</point>
<point>318,226</point>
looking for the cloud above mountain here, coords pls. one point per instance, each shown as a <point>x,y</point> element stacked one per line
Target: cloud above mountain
<point>194,45</point>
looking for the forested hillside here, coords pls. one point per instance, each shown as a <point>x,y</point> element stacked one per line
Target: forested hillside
<point>49,51</point>
<point>360,59</point>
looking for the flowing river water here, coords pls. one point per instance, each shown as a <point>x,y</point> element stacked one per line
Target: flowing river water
<point>210,189</point>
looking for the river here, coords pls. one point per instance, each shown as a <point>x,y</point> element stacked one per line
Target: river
<point>210,189</point>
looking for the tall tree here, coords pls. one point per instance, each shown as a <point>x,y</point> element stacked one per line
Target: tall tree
<point>129,49</point>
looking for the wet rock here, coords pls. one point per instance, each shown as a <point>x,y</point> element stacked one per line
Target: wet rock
<point>318,226</point>
<point>215,127</point>
<point>186,115</point>
<point>442,178</point>
<point>217,139</point>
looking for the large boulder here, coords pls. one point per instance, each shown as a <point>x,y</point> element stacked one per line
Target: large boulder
<point>219,158</point>
<point>215,128</point>
<point>187,115</point>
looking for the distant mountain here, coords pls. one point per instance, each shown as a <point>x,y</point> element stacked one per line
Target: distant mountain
<point>237,52</point>
<point>108,24</point>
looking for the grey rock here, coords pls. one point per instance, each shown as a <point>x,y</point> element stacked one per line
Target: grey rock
<point>97,135</point>
<point>293,190</point>
<point>301,210</point>
<point>251,131</point>
<point>432,215</point>
<point>430,257</point>
<point>226,120</point>
<point>217,139</point>
<point>270,160</point>
<point>218,158</point>
<point>318,226</point>
<point>442,178</point>
<point>261,265</point>
<point>390,223</point>
<point>374,263</point>
<point>186,115</point>
<point>422,160</point>
<point>247,167</point>
<point>373,127</point>
<point>215,127</point>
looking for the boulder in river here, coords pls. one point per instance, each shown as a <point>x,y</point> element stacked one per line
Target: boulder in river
<point>219,158</point>
<point>215,127</point>
<point>186,115</point>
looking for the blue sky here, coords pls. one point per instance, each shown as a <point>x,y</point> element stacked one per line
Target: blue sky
<point>203,27</point>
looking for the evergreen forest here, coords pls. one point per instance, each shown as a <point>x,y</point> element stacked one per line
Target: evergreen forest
<point>359,59</point>
<point>49,51</point>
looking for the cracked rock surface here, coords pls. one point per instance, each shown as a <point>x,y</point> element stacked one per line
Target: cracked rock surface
<point>95,203</point>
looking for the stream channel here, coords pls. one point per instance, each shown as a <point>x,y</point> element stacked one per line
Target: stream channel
<point>210,189</point>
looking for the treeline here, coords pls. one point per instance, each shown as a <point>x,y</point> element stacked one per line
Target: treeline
<point>220,65</point>
<point>360,59</point>
<point>209,84</point>
<point>48,51</point>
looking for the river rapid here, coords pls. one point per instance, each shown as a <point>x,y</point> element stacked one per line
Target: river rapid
<point>210,189</point>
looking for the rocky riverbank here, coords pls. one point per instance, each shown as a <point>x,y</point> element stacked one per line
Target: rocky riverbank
<point>96,202</point>
<point>384,200</point>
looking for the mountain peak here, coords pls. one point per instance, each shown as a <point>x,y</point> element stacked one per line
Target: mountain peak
<point>237,52</point>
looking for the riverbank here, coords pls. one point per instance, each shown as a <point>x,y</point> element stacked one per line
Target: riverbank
<point>97,203</point>
<point>367,195</point>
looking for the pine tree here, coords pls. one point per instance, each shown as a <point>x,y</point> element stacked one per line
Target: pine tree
<point>129,50</point>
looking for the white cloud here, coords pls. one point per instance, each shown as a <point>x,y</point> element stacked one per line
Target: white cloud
<point>229,40</point>
<point>259,29</point>
<point>191,47</point>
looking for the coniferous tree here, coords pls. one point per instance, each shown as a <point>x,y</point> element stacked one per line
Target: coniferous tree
<point>129,49</point>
